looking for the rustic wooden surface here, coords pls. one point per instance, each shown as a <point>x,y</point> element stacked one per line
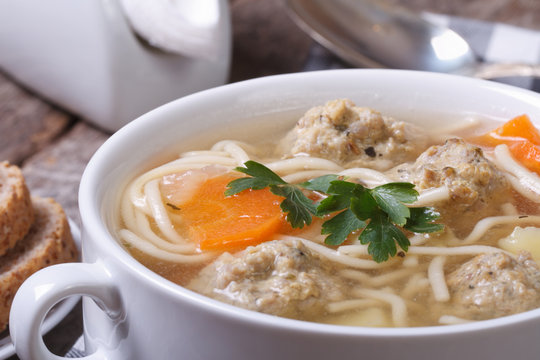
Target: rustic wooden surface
<point>53,146</point>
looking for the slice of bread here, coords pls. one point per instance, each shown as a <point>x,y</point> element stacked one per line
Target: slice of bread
<point>16,212</point>
<point>48,242</point>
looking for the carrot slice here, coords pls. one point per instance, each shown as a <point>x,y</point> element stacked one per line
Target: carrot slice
<point>517,129</point>
<point>521,137</point>
<point>527,153</point>
<point>223,223</point>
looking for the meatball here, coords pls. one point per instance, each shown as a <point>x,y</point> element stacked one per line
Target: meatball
<point>494,285</point>
<point>477,188</point>
<point>354,136</point>
<point>282,278</point>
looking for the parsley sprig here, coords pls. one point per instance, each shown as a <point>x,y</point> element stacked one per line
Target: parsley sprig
<point>380,213</point>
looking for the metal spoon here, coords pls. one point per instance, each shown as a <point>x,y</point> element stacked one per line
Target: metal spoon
<point>367,34</point>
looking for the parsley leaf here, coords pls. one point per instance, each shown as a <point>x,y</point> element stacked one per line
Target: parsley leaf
<point>382,236</point>
<point>320,184</point>
<point>363,204</point>
<point>339,197</point>
<point>378,213</point>
<point>258,170</point>
<point>296,205</point>
<point>390,197</point>
<point>341,226</point>
<point>261,177</point>
<point>421,219</point>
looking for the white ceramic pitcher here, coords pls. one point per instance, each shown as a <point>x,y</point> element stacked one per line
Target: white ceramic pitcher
<point>87,57</point>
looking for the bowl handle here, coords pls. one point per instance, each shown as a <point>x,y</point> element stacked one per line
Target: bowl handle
<point>41,291</point>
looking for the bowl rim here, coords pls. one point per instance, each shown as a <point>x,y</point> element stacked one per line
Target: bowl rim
<point>91,216</point>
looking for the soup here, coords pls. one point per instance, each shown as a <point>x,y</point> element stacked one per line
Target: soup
<point>463,248</point>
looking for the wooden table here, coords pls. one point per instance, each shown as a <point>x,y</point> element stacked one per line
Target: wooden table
<point>53,146</point>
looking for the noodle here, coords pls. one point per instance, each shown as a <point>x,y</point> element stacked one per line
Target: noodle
<point>418,239</point>
<point>223,144</point>
<point>369,176</point>
<point>304,175</point>
<point>437,279</point>
<point>336,257</point>
<point>380,280</point>
<point>485,224</point>
<point>415,285</point>
<point>429,197</point>
<point>357,250</point>
<point>457,250</point>
<point>236,152</point>
<point>361,250</point>
<point>522,179</point>
<point>399,309</point>
<point>147,233</point>
<point>392,276</point>
<point>146,247</point>
<point>159,213</point>
<point>359,276</point>
<point>524,190</point>
<point>411,261</point>
<point>303,163</point>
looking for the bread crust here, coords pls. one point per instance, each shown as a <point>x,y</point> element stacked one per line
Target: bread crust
<point>48,242</point>
<point>16,211</point>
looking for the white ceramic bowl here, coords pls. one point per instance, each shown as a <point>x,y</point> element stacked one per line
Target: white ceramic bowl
<point>132,313</point>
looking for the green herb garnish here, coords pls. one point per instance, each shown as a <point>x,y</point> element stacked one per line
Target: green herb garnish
<point>380,213</point>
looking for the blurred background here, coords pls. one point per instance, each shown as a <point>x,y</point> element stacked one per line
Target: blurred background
<point>52,142</point>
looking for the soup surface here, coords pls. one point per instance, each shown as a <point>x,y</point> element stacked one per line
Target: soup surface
<point>463,248</point>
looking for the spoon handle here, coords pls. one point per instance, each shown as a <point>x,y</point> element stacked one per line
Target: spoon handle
<point>501,70</point>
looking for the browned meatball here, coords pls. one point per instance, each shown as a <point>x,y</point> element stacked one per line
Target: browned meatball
<point>494,285</point>
<point>354,136</point>
<point>477,188</point>
<point>282,278</point>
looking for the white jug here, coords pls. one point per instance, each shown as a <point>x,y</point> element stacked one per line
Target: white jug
<point>110,61</point>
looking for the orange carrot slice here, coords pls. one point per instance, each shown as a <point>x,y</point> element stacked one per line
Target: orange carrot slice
<point>521,137</point>
<point>517,129</point>
<point>527,153</point>
<point>222,223</point>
